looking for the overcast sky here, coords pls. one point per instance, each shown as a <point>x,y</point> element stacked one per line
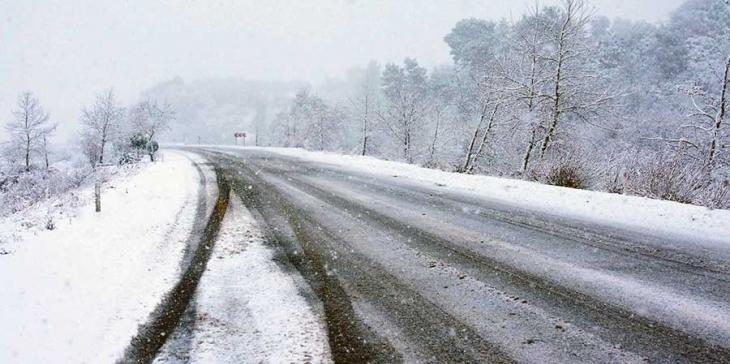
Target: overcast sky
<point>66,51</point>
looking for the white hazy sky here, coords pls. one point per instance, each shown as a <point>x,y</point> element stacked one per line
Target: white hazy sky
<point>66,51</point>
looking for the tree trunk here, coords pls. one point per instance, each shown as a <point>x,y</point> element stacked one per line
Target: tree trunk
<point>101,150</point>
<point>432,149</point>
<point>27,155</point>
<point>407,147</point>
<point>528,152</point>
<point>484,139</point>
<point>97,195</point>
<point>530,108</point>
<point>467,160</point>
<point>556,108</point>
<point>719,119</point>
<point>45,151</point>
<point>469,154</point>
<point>561,53</point>
<point>365,126</point>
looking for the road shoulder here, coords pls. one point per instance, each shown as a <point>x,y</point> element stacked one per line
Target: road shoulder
<point>246,308</point>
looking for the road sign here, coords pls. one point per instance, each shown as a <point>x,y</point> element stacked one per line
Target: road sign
<point>240,135</point>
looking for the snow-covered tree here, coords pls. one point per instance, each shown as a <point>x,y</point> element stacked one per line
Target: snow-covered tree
<point>477,48</point>
<point>149,118</point>
<point>100,124</point>
<point>30,130</point>
<point>406,103</point>
<point>365,104</point>
<point>574,89</point>
<point>526,72</point>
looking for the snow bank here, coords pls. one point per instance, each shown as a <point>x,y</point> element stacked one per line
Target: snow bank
<point>247,310</point>
<point>77,293</point>
<point>690,222</point>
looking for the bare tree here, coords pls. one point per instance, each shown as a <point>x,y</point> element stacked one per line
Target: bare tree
<point>149,119</point>
<point>573,87</point>
<point>481,98</point>
<point>365,103</point>
<point>100,124</point>
<point>30,130</point>
<point>486,107</point>
<point>525,72</point>
<point>719,119</point>
<point>705,139</point>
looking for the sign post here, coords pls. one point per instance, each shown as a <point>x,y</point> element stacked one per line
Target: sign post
<point>240,135</point>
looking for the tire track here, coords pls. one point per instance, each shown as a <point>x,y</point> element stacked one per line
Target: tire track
<point>310,248</point>
<point>658,342</point>
<point>166,316</point>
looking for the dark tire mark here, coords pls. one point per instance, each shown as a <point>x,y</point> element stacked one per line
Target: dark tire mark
<point>609,238</point>
<point>644,332</point>
<point>350,340</point>
<point>309,247</point>
<point>166,316</point>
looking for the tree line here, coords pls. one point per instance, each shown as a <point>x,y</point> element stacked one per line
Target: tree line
<point>559,96</point>
<point>109,132</point>
<point>110,135</point>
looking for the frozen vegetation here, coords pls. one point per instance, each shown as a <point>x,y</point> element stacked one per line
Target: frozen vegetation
<point>559,95</point>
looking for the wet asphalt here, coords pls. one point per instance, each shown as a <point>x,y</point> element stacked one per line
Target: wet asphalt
<point>412,273</point>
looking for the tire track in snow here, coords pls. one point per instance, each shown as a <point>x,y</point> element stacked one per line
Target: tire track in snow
<point>247,308</point>
<point>153,334</point>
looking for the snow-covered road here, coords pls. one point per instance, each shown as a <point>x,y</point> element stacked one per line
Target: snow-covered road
<point>247,309</point>
<point>413,271</point>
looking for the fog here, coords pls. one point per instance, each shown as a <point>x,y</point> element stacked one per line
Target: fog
<point>66,52</point>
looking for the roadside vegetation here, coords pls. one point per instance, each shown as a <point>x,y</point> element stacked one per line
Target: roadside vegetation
<point>558,95</point>
<point>110,137</point>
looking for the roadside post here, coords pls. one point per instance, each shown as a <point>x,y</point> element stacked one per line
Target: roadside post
<point>240,135</point>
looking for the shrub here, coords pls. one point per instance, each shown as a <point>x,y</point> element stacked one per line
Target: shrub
<point>666,178</point>
<point>23,189</point>
<point>717,195</point>
<point>567,171</point>
<point>566,175</point>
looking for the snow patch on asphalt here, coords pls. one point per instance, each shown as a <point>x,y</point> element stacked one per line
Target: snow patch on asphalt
<point>247,309</point>
<point>77,293</point>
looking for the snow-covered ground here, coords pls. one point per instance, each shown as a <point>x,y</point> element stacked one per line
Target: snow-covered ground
<point>705,226</point>
<point>77,293</point>
<point>247,309</point>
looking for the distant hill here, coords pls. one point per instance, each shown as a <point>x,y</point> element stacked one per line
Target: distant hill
<point>211,110</point>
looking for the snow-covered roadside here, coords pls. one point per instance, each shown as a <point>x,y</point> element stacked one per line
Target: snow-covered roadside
<point>247,310</point>
<point>708,227</point>
<point>78,292</point>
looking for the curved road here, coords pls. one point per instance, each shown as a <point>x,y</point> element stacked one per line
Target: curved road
<point>417,274</point>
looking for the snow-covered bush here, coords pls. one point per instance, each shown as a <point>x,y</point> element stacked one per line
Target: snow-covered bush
<point>671,177</point>
<point>567,175</point>
<point>564,171</point>
<point>20,189</point>
<point>716,195</point>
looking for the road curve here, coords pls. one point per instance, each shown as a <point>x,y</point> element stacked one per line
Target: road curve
<point>419,274</point>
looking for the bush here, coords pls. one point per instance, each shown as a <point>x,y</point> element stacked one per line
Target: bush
<point>717,195</point>
<point>568,172</point>
<point>666,178</point>
<point>22,189</point>
<point>566,175</point>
